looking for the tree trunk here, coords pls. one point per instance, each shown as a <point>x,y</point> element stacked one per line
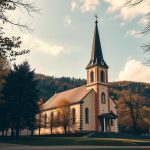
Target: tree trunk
<point>39,123</point>
<point>51,129</point>
<point>32,132</point>
<point>17,132</point>
<point>18,128</point>
<point>65,129</point>
<point>12,130</point>
<point>6,133</point>
<point>2,132</point>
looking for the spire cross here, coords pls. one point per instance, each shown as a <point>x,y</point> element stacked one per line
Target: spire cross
<point>96,18</point>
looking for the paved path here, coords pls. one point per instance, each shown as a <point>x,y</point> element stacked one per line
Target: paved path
<point>24,147</point>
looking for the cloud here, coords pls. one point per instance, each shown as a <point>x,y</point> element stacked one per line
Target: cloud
<point>133,33</point>
<point>74,4</point>
<point>114,6</point>
<point>122,24</point>
<point>89,5</point>
<point>127,13</point>
<point>144,21</point>
<point>36,44</point>
<point>134,70</point>
<point>68,20</point>
<point>85,5</point>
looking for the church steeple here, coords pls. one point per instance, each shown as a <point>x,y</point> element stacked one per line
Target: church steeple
<point>97,55</point>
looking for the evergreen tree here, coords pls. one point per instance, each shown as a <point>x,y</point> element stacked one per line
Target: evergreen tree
<point>20,96</point>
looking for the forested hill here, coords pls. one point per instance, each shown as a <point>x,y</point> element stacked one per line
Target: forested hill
<point>49,85</point>
<point>120,88</point>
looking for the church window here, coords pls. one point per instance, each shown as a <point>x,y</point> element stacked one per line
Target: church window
<point>103,98</point>
<point>73,115</point>
<point>92,76</point>
<point>102,77</point>
<point>86,115</point>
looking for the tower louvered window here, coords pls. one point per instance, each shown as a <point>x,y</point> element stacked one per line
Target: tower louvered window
<point>92,76</point>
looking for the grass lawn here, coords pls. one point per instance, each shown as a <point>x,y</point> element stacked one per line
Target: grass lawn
<point>51,141</point>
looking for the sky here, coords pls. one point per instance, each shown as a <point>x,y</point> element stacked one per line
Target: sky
<point>63,32</point>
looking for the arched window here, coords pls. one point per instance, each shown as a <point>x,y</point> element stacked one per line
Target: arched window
<point>92,76</point>
<point>103,98</point>
<point>73,116</point>
<point>45,120</point>
<point>86,115</point>
<point>102,76</point>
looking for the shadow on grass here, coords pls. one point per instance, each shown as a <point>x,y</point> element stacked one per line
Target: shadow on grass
<point>52,141</point>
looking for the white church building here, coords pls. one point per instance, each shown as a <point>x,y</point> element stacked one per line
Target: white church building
<point>92,109</point>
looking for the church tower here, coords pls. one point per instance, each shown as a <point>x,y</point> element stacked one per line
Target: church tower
<point>97,78</point>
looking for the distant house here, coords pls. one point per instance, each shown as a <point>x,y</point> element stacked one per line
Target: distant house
<point>91,108</point>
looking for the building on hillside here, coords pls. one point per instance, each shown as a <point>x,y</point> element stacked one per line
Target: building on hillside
<point>90,106</point>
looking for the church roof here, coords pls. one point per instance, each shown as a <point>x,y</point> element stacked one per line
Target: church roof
<point>97,55</point>
<point>72,96</point>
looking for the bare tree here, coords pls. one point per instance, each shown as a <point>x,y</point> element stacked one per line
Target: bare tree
<point>4,69</point>
<point>51,121</point>
<point>146,30</point>
<point>65,115</point>
<point>39,117</point>
<point>12,5</point>
<point>8,45</point>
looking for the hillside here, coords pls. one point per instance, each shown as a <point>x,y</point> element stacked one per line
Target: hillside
<point>49,85</point>
<point>119,89</point>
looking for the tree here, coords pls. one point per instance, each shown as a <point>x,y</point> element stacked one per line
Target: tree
<point>146,30</point>
<point>39,117</point>
<point>12,5</point>
<point>8,45</point>
<point>20,96</point>
<point>146,117</point>
<point>64,115</point>
<point>132,116</point>
<point>51,121</point>
<point>4,69</point>
<point>134,105</point>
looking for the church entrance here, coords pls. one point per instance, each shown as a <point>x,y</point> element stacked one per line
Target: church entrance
<point>104,124</point>
<point>106,120</point>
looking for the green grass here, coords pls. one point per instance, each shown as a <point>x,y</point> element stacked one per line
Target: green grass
<point>51,141</point>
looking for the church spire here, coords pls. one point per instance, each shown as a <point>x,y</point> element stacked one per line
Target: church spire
<point>97,55</point>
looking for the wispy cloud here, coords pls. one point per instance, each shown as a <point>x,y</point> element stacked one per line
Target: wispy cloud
<point>89,5</point>
<point>127,13</point>
<point>36,44</point>
<point>143,21</point>
<point>74,4</point>
<point>85,5</point>
<point>122,24</point>
<point>133,33</point>
<point>68,20</point>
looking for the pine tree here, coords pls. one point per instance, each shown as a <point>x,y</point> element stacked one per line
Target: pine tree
<point>20,96</point>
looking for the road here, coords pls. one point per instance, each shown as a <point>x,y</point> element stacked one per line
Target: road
<point>24,147</point>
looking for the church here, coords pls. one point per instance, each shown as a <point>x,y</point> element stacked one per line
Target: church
<point>90,106</point>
